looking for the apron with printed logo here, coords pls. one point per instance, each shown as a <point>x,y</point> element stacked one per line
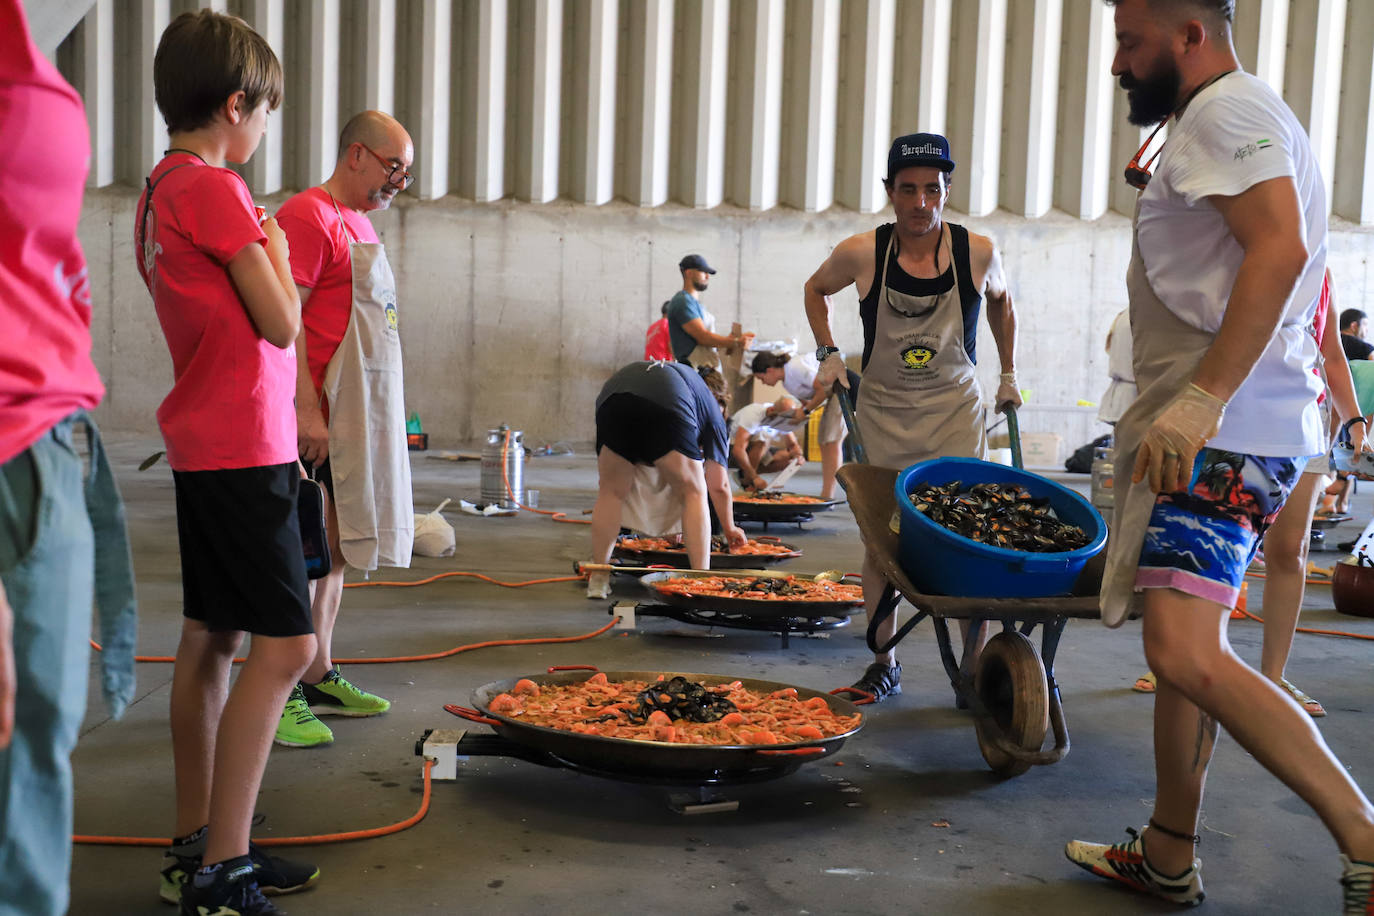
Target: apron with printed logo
<point>920,397</point>
<point>368,456</point>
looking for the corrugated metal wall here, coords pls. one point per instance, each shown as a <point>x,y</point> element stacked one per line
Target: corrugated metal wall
<point>759,103</point>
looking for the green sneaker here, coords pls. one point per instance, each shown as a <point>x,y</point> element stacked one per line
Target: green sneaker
<point>298,726</point>
<point>337,696</point>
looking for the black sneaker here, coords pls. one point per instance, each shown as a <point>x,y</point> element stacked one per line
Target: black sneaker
<point>280,876</point>
<point>231,892</point>
<point>273,875</point>
<point>881,680</point>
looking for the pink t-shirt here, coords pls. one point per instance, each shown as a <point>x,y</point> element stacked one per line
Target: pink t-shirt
<point>45,296</point>
<point>320,262</point>
<point>232,401</point>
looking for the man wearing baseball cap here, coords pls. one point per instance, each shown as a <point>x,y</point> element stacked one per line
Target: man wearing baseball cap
<point>921,282</point>
<point>692,329</point>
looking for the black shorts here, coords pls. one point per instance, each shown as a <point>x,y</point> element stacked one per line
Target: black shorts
<point>242,567</point>
<point>642,431</point>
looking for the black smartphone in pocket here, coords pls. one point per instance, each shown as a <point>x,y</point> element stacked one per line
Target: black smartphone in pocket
<point>314,535</point>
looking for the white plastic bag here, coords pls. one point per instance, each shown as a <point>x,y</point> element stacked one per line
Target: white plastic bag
<point>1364,546</point>
<point>434,536</point>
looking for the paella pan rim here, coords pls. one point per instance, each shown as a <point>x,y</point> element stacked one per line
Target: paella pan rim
<point>718,560</point>
<point>482,696</point>
<point>759,607</point>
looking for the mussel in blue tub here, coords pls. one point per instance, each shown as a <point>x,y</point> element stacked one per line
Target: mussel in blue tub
<point>998,514</point>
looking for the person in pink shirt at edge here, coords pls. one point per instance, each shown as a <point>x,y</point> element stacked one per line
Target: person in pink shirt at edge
<point>349,420</point>
<point>657,343</point>
<point>221,286</point>
<point>62,537</point>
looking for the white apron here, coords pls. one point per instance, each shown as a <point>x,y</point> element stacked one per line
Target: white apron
<point>920,397</point>
<point>1165,351</point>
<point>652,508</point>
<point>702,355</point>
<point>368,457</point>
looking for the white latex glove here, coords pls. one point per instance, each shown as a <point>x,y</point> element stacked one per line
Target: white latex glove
<point>1172,442</point>
<point>832,370</point>
<point>1008,392</point>
<point>599,584</point>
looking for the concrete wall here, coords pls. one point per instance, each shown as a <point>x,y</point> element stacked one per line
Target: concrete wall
<point>516,313</point>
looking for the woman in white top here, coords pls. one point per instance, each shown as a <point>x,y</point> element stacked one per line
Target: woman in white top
<point>798,377</point>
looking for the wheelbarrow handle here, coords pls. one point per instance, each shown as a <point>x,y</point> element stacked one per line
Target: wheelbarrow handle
<point>1014,434</point>
<point>856,442</point>
<point>471,715</point>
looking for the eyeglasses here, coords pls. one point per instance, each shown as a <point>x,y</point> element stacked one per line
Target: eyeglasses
<point>392,169</point>
<point>1138,174</point>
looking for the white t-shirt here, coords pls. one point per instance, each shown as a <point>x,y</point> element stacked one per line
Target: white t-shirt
<point>1235,134</point>
<point>754,418</point>
<point>799,377</point>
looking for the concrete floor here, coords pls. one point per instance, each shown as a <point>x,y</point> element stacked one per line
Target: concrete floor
<point>861,837</point>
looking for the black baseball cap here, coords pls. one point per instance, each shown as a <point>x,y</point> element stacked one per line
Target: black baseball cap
<point>918,149</point>
<point>695,262</point>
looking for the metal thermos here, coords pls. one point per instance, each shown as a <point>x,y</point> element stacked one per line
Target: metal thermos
<point>1103,478</point>
<point>493,483</point>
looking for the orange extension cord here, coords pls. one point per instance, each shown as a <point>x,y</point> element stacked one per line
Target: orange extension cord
<point>505,478</point>
<point>319,839</point>
<point>322,838</point>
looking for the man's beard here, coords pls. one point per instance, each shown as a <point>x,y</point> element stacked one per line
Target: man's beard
<point>1155,97</point>
<point>381,197</point>
<point>699,285</point>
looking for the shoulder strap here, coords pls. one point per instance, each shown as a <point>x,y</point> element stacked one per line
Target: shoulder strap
<point>150,185</point>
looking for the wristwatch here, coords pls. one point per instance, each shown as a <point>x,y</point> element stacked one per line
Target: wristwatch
<point>823,351</point>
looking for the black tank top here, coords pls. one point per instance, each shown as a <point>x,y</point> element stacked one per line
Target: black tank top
<point>970,299</point>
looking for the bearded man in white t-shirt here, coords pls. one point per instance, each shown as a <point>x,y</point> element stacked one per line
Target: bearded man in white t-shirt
<point>1226,271</point>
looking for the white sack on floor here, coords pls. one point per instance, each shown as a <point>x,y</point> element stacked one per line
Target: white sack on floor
<point>434,536</point>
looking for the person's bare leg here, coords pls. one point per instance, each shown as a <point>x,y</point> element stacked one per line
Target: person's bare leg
<point>688,480</point>
<point>200,684</point>
<point>874,584</point>
<point>246,727</point>
<point>325,598</point>
<point>615,477</point>
<point>1285,571</point>
<point>830,463</point>
<point>1185,737</point>
<point>1187,648</point>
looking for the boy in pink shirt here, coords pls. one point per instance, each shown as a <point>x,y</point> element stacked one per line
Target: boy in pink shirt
<point>62,537</point>
<point>221,285</point>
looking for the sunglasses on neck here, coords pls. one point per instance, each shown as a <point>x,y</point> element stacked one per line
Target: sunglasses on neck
<point>1138,173</point>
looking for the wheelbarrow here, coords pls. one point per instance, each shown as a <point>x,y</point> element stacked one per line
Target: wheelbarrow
<point>1010,688</point>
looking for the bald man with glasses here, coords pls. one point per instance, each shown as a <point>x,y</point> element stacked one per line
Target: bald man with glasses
<point>350,421</point>
<point>921,282</point>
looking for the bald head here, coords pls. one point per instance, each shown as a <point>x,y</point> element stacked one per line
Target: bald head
<point>375,156</point>
<point>371,128</point>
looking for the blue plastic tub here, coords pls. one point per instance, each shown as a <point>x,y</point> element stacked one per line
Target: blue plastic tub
<point>940,562</point>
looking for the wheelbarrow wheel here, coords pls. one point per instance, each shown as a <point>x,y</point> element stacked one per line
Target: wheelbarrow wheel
<point>1010,681</point>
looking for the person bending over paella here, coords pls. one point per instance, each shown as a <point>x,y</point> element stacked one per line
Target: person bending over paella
<point>797,375</point>
<point>762,442</point>
<point>660,455</point>
<point>921,282</point>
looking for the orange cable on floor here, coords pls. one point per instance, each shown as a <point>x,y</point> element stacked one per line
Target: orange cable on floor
<point>1312,630</point>
<point>390,660</point>
<point>469,575</point>
<point>505,478</point>
<point>318,839</point>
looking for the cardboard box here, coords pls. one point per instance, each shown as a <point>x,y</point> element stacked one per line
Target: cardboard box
<point>1042,450</point>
